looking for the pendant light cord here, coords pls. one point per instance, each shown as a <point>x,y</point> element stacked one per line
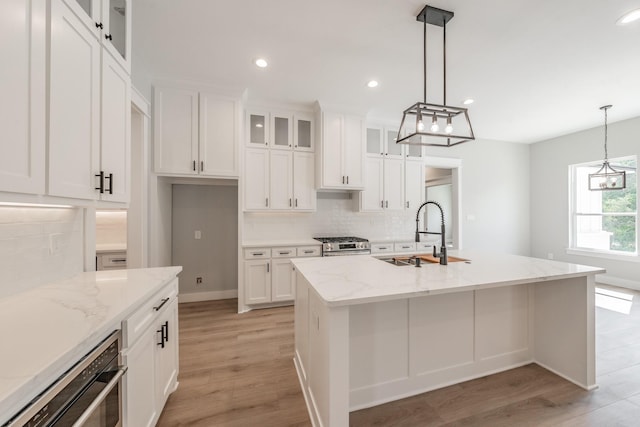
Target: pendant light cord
<point>424,61</point>
<point>606,157</point>
<point>444,61</point>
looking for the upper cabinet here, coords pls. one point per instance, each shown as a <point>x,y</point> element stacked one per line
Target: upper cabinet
<point>280,131</point>
<point>341,151</point>
<point>110,22</point>
<point>23,100</point>
<point>89,114</point>
<point>195,133</point>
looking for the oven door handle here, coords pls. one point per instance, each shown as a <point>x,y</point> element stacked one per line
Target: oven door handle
<point>100,397</point>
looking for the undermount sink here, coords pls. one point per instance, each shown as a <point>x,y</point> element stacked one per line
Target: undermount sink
<point>403,260</point>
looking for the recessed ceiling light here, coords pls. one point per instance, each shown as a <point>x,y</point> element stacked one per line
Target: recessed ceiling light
<point>261,62</point>
<point>468,101</point>
<point>372,83</point>
<point>629,17</point>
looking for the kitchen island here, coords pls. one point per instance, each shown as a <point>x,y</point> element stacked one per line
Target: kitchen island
<point>369,332</point>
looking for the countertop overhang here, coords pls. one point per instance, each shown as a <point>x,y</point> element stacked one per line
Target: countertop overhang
<point>47,330</point>
<point>359,279</point>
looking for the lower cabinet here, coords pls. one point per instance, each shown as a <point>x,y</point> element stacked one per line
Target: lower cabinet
<point>151,356</point>
<point>269,275</point>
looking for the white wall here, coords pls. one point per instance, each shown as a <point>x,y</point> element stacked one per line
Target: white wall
<point>495,190</point>
<point>550,190</point>
<point>25,259</point>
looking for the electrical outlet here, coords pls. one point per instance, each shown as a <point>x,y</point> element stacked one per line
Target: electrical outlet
<point>198,280</point>
<point>54,243</point>
<point>198,235</point>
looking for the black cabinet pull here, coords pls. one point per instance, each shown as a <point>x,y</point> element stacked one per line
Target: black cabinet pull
<point>290,203</point>
<point>194,165</point>
<point>161,330</point>
<point>347,179</point>
<point>108,37</point>
<point>166,331</point>
<point>101,187</point>
<point>110,178</point>
<point>201,165</point>
<point>296,203</point>
<point>343,179</point>
<point>386,204</point>
<point>267,267</point>
<point>164,301</point>
<point>99,25</point>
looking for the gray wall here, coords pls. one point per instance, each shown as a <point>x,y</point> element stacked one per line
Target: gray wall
<point>550,191</point>
<point>214,211</point>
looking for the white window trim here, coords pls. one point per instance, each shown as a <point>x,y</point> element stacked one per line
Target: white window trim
<point>572,249</point>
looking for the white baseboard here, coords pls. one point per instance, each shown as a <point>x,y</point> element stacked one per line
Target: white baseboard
<point>208,296</point>
<point>617,281</point>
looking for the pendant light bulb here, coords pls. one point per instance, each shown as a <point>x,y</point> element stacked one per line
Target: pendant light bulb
<point>419,122</point>
<point>448,129</point>
<point>434,124</point>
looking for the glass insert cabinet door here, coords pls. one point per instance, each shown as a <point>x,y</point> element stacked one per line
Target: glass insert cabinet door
<point>393,149</point>
<point>117,25</point>
<point>303,132</point>
<point>374,141</point>
<point>281,135</point>
<point>258,129</point>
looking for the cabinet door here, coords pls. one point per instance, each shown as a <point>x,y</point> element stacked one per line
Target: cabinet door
<point>372,197</point>
<point>281,180</point>
<point>116,34</point>
<point>257,129</point>
<point>281,131</point>
<point>354,151</point>
<point>22,104</point>
<point>74,106</point>
<point>303,132</point>
<point>414,184</point>
<point>218,136</point>
<point>393,184</point>
<point>375,142</point>
<point>140,381</point>
<point>115,145</point>
<point>282,280</point>
<point>304,186</point>
<point>257,281</point>
<point>392,150</point>
<point>256,179</point>
<point>166,359</point>
<point>89,12</point>
<point>175,114</point>
<point>332,154</point>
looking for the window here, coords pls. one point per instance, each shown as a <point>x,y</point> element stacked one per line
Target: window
<point>604,221</point>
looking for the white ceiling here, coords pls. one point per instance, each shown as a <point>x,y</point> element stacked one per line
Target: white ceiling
<point>536,68</point>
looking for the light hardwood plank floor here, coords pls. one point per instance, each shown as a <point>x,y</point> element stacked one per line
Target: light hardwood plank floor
<point>237,370</point>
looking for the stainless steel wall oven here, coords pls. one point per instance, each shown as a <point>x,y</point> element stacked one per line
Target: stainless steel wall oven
<point>89,394</point>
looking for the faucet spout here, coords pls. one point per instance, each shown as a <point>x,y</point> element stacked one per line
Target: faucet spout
<point>443,247</point>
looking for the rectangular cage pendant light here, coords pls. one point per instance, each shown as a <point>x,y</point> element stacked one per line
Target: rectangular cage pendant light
<point>429,124</point>
<point>607,178</point>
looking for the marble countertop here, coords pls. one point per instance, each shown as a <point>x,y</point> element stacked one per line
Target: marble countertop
<point>271,243</point>
<point>358,279</point>
<point>48,329</point>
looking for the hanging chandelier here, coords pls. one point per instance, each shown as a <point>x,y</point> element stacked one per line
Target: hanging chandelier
<point>433,124</point>
<point>607,178</point>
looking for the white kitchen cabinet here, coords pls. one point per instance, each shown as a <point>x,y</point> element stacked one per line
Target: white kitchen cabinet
<point>303,132</point>
<point>414,184</point>
<point>341,159</point>
<point>115,141</point>
<point>257,281</point>
<point>279,180</point>
<point>23,100</point>
<point>166,356</point>
<point>110,22</point>
<point>74,106</point>
<point>218,137</point>
<point>280,130</point>
<point>282,280</point>
<point>150,341</point>
<point>384,182</point>
<point>195,133</point>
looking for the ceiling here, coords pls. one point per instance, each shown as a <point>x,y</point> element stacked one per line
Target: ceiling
<point>536,68</point>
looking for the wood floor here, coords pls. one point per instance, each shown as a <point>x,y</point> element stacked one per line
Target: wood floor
<point>237,370</point>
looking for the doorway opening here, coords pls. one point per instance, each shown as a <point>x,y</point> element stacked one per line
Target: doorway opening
<point>442,185</point>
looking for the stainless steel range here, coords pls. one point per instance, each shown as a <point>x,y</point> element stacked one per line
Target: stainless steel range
<point>337,246</point>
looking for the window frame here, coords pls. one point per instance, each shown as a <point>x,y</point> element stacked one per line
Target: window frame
<point>572,247</point>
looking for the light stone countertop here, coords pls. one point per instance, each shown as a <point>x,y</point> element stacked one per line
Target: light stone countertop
<point>110,247</point>
<point>279,243</point>
<point>47,330</point>
<point>358,279</point>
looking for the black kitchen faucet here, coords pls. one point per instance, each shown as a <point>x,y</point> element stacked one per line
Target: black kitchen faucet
<point>443,249</point>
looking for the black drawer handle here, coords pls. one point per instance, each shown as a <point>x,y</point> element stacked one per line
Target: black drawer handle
<point>164,301</point>
<point>308,252</point>
<point>119,260</point>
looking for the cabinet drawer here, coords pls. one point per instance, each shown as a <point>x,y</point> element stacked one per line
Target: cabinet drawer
<point>112,261</point>
<point>138,322</point>
<point>308,251</point>
<point>404,247</point>
<point>283,252</point>
<point>257,253</point>
<point>378,248</point>
<point>425,246</point>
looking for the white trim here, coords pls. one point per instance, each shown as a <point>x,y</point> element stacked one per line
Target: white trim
<point>584,386</point>
<point>606,255</point>
<point>617,281</point>
<point>140,102</point>
<point>208,296</point>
